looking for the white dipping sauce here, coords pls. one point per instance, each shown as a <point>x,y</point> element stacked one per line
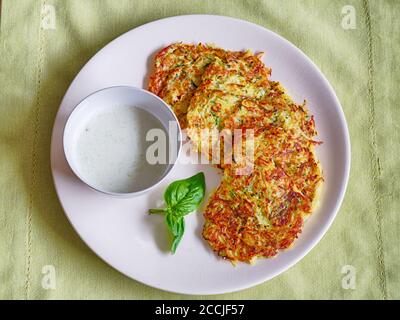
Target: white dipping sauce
<point>111,150</point>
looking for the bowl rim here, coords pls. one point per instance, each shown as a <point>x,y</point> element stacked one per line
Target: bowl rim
<point>78,107</point>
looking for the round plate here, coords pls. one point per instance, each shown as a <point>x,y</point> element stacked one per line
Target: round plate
<point>121,232</point>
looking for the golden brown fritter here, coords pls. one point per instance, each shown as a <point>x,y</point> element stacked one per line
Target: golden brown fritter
<point>256,215</point>
<point>263,199</point>
<point>179,69</point>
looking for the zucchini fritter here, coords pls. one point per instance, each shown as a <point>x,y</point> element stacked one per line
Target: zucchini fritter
<point>255,215</point>
<point>179,70</point>
<point>262,202</point>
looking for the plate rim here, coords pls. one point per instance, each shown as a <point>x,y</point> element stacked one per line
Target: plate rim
<point>318,234</point>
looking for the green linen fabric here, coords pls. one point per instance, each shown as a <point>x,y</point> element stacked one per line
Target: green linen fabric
<point>45,43</point>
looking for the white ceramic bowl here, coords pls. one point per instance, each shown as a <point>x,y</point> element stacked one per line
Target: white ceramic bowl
<point>105,100</point>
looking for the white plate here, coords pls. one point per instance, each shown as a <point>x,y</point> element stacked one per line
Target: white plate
<point>120,231</point>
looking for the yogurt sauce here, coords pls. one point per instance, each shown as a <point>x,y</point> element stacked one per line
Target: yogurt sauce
<point>111,150</point>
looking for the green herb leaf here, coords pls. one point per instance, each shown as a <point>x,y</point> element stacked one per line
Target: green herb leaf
<point>176,227</point>
<point>182,197</point>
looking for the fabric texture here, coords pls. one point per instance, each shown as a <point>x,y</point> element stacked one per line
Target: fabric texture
<point>45,43</point>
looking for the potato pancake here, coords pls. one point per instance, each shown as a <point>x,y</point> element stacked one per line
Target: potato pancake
<point>230,109</point>
<point>261,204</point>
<point>255,215</point>
<point>179,69</point>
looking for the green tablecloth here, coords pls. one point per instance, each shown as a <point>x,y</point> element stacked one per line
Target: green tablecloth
<point>45,43</point>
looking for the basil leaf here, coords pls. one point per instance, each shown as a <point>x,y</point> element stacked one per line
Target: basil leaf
<point>184,196</point>
<point>181,197</point>
<point>176,226</point>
